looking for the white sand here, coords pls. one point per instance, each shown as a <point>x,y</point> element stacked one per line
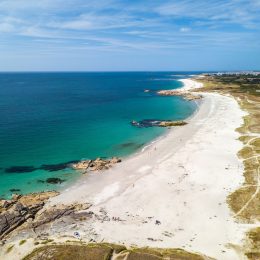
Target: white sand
<point>190,84</point>
<point>181,180</point>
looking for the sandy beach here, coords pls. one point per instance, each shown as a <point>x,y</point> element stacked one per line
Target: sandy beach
<point>172,193</point>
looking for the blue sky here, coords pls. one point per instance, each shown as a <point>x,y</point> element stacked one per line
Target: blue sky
<point>57,35</point>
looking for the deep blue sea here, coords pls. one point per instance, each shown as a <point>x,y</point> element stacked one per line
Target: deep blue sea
<point>53,118</point>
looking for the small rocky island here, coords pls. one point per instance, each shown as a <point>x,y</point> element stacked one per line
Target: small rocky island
<point>158,123</point>
<point>95,165</point>
<point>186,94</point>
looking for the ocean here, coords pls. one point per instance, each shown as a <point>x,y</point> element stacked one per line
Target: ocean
<point>48,119</point>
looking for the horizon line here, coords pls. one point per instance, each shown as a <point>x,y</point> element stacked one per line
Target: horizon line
<point>122,71</point>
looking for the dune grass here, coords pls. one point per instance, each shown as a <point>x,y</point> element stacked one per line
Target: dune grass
<point>106,251</point>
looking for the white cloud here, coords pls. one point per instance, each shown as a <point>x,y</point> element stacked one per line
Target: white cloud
<point>110,24</point>
<point>234,11</point>
<point>185,29</point>
<point>6,27</point>
<point>74,24</point>
<point>10,24</point>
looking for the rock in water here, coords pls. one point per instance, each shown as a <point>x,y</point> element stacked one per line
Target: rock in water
<point>160,123</point>
<point>20,169</point>
<point>186,94</point>
<point>135,123</point>
<point>54,180</point>
<point>95,165</point>
<point>172,123</point>
<point>81,165</point>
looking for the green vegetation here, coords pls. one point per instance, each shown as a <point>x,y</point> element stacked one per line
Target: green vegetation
<point>249,84</point>
<point>22,242</point>
<point>106,251</point>
<point>46,241</point>
<point>253,244</point>
<point>68,252</point>
<point>9,249</point>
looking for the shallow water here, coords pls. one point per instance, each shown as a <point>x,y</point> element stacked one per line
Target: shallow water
<point>53,118</point>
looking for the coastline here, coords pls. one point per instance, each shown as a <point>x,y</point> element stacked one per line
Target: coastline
<point>133,186</point>
<point>172,194</point>
<point>188,85</point>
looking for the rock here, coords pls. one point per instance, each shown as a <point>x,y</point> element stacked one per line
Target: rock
<point>56,167</point>
<point>135,123</point>
<point>17,211</point>
<point>50,214</point>
<point>115,160</point>
<point>14,190</point>
<point>20,169</point>
<point>82,165</point>
<point>186,94</point>
<point>172,123</point>
<point>160,123</point>
<point>54,180</point>
<point>95,165</point>
<point>5,204</point>
<point>16,196</point>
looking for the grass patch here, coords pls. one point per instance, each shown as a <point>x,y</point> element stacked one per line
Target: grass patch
<point>106,251</point>
<point>246,152</point>
<point>253,250</point>
<point>68,252</point>
<point>22,242</point>
<point>9,249</point>
<point>47,241</point>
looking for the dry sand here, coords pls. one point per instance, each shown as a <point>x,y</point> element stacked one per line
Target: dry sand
<point>173,193</point>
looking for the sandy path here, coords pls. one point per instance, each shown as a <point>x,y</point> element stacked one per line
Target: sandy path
<point>173,194</point>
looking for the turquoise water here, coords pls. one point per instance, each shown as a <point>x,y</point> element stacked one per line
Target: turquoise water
<point>53,118</point>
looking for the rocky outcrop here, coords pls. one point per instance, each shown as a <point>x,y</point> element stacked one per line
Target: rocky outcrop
<point>50,214</point>
<point>160,123</point>
<point>172,123</point>
<point>30,212</point>
<point>95,165</point>
<point>19,209</point>
<point>187,95</point>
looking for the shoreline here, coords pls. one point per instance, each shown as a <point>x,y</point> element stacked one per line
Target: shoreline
<point>172,194</point>
<point>191,85</point>
<point>132,184</point>
<point>188,85</point>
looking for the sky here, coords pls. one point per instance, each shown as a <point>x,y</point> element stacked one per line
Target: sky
<point>129,35</point>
